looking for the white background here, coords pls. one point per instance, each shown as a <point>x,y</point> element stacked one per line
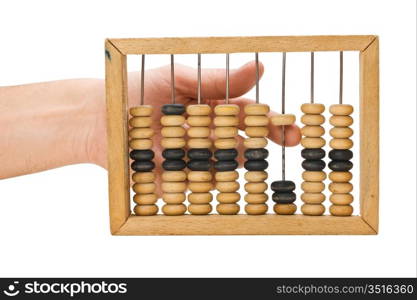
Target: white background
<point>56,223</point>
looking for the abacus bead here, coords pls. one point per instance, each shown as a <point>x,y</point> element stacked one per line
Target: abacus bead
<point>312,131</point>
<point>256,120</point>
<point>144,188</point>
<point>141,133</point>
<point>173,187</point>
<point>173,143</point>
<point>173,109</point>
<point>227,186</point>
<point>340,176</point>
<point>174,209</point>
<point>341,109</point>
<point>227,209</point>
<point>341,199</point>
<point>226,176</point>
<point>314,175</point>
<point>228,197</point>
<point>283,120</point>
<point>256,165</point>
<point>225,143</point>
<point>200,198</point>
<point>256,176</point>
<point>226,132</point>
<point>140,144</point>
<point>199,165</point>
<point>225,121</point>
<point>255,187</point>
<point>140,121</point>
<point>313,198</point>
<point>312,209</point>
<point>226,110</point>
<point>200,176</point>
<point>145,210</point>
<point>341,121</point>
<point>341,144</point>
<point>145,199</point>
<point>200,187</point>
<point>173,131</point>
<point>199,110</point>
<point>255,143</point>
<point>141,111</point>
<point>173,153</point>
<point>199,143</point>
<point>340,154</point>
<point>143,177</point>
<point>143,165</point>
<point>142,154</point>
<point>256,154</point>
<point>312,187</point>
<point>256,198</point>
<point>173,198</point>
<point>257,131</point>
<point>312,108</point>
<point>283,186</point>
<point>284,198</point>
<point>313,142</point>
<point>198,121</point>
<point>226,165</point>
<point>174,176</point>
<point>313,165</point>
<point>256,209</point>
<point>341,210</point>
<point>225,154</point>
<point>341,132</point>
<point>285,209</point>
<point>198,132</point>
<point>173,165</point>
<point>340,166</point>
<point>199,154</point>
<point>256,109</point>
<point>313,153</point>
<point>199,209</point>
<point>312,120</point>
<point>340,187</point>
<point>172,120</point>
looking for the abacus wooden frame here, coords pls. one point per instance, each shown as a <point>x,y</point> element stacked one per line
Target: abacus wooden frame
<point>122,222</point>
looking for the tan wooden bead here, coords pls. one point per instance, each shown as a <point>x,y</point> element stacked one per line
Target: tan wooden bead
<point>174,176</point>
<point>200,187</point>
<point>256,121</point>
<point>313,142</point>
<point>228,197</point>
<point>256,109</point>
<point>200,198</point>
<point>143,177</point>
<point>313,209</point>
<point>225,121</point>
<point>340,176</point>
<point>256,209</point>
<point>312,131</point>
<point>314,175</point>
<point>255,187</point>
<point>172,143</point>
<point>145,199</point>
<point>173,131</point>
<point>312,108</point>
<point>341,199</point>
<point>225,143</point>
<point>341,210</point>
<point>200,176</point>
<point>199,209</point>
<point>141,111</point>
<point>285,209</point>
<point>256,198</point>
<point>312,187</point>
<point>144,188</point>
<point>283,120</point>
<point>256,176</point>
<point>174,209</point>
<point>146,210</point>
<point>227,209</point>
<point>226,110</point>
<point>199,121</point>
<point>341,144</point>
<point>227,186</point>
<point>198,132</point>
<point>341,121</point>
<point>226,132</point>
<point>341,132</point>
<point>341,109</point>
<point>174,187</point>
<point>141,133</point>
<point>257,131</point>
<point>340,187</point>
<point>173,198</point>
<point>199,143</point>
<point>227,176</point>
<point>140,122</point>
<point>199,110</point>
<point>255,142</point>
<point>140,144</point>
<point>313,198</point>
<point>312,120</point>
<point>172,120</point>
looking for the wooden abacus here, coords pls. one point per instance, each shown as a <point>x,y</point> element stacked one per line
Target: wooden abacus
<point>136,134</point>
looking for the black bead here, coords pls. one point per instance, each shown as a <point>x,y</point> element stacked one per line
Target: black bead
<point>142,154</point>
<point>316,153</point>
<point>199,165</point>
<point>143,165</point>
<point>173,109</point>
<point>225,154</point>
<point>340,154</point>
<point>284,198</point>
<point>283,186</point>
<point>202,153</point>
<point>173,153</point>
<point>173,165</point>
<point>226,165</point>
<point>313,165</point>
<point>256,165</point>
<point>340,166</point>
<point>256,154</point>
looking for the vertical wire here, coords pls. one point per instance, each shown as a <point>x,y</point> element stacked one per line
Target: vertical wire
<point>142,81</point>
<point>312,77</point>
<point>341,78</point>
<point>172,79</point>
<point>257,76</point>
<point>284,59</point>
<point>199,79</point>
<point>227,78</point>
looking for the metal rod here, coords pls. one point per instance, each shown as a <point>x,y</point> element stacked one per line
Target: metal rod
<point>257,76</point>
<point>142,81</point>
<point>341,78</point>
<point>312,77</point>
<point>284,60</point>
<point>172,79</point>
<point>227,78</point>
<point>199,79</point>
